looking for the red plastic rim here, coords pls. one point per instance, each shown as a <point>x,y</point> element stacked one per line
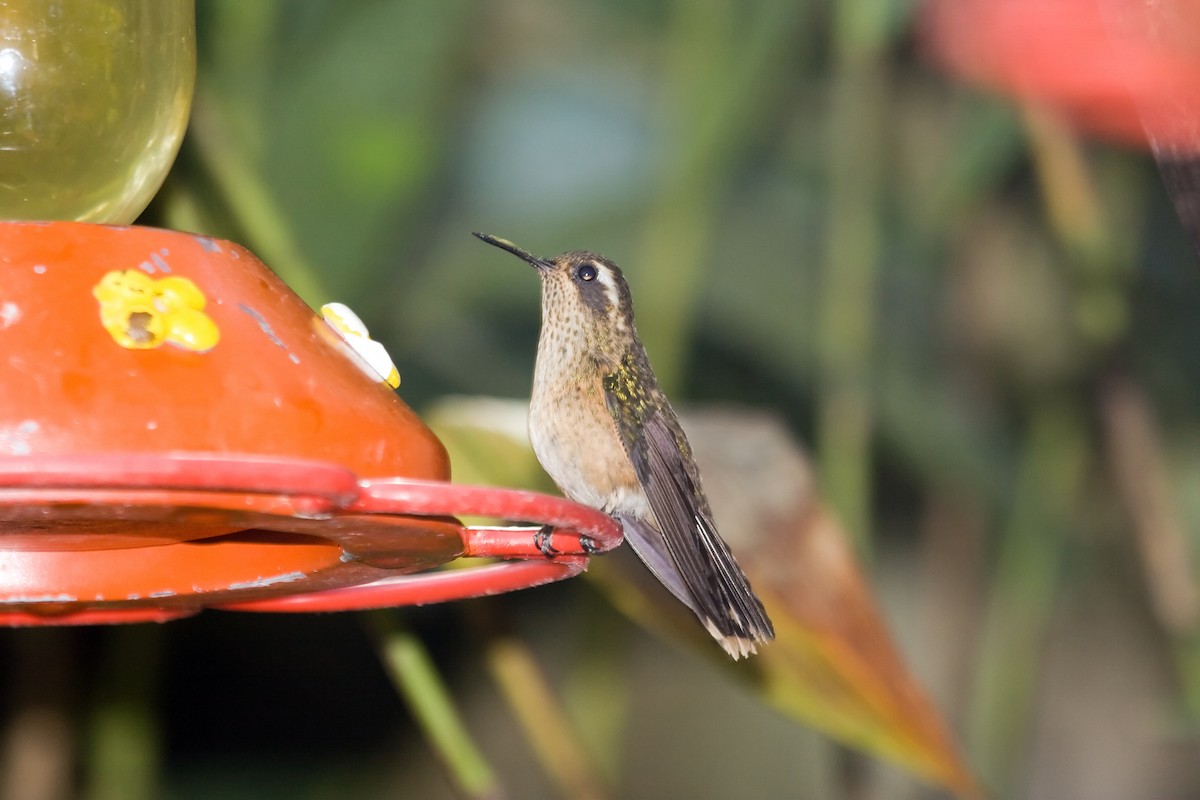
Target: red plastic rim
<point>87,539</point>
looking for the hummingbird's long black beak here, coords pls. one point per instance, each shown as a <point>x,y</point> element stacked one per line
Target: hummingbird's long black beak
<point>540,264</point>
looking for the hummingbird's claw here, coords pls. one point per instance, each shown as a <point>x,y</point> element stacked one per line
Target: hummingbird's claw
<point>542,540</point>
<point>589,545</point>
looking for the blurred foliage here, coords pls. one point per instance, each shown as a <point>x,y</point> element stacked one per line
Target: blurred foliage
<point>984,324</point>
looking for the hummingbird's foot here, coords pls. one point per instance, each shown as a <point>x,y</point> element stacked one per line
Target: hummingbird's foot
<point>542,540</point>
<point>589,545</point>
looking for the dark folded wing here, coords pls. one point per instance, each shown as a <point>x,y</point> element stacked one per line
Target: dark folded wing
<point>692,559</point>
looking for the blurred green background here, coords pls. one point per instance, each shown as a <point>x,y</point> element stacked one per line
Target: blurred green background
<point>983,326</point>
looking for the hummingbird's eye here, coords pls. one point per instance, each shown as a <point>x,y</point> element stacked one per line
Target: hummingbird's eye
<point>586,272</point>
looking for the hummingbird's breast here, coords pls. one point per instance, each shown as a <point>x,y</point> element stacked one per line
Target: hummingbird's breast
<point>576,440</point>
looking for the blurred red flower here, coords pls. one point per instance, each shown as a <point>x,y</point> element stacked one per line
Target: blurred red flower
<point>1128,69</point>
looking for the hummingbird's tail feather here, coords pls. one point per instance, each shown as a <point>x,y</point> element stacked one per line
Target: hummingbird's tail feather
<point>648,543</point>
<point>736,646</point>
<point>721,604</point>
<point>717,590</point>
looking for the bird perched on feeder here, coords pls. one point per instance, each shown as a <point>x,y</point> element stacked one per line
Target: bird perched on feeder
<point>604,431</point>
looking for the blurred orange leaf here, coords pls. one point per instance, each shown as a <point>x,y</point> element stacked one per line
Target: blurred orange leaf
<point>833,664</point>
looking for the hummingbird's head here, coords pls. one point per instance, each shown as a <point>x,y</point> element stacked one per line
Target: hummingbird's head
<point>582,288</point>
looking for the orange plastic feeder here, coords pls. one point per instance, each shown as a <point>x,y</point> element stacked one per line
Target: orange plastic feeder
<point>179,430</point>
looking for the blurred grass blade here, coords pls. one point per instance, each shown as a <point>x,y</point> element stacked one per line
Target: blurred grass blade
<point>125,739</point>
<point>418,682</point>
<point>526,689</point>
<point>1049,484</point>
<point>1141,476</point>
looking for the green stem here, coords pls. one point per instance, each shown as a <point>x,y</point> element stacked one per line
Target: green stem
<point>416,678</point>
<point>719,83</point>
<point>848,303</point>
<point>123,758</point>
<point>1044,503</point>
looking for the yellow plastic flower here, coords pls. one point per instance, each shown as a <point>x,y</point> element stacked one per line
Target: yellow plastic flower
<point>140,312</point>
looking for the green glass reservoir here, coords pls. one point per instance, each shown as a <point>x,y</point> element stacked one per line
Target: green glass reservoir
<point>94,99</point>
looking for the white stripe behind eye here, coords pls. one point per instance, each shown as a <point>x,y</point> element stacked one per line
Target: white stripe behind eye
<point>605,276</point>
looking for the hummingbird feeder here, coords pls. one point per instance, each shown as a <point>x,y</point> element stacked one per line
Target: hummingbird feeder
<point>178,430</point>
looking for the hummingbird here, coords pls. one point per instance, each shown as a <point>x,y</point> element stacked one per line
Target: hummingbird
<point>606,434</point>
